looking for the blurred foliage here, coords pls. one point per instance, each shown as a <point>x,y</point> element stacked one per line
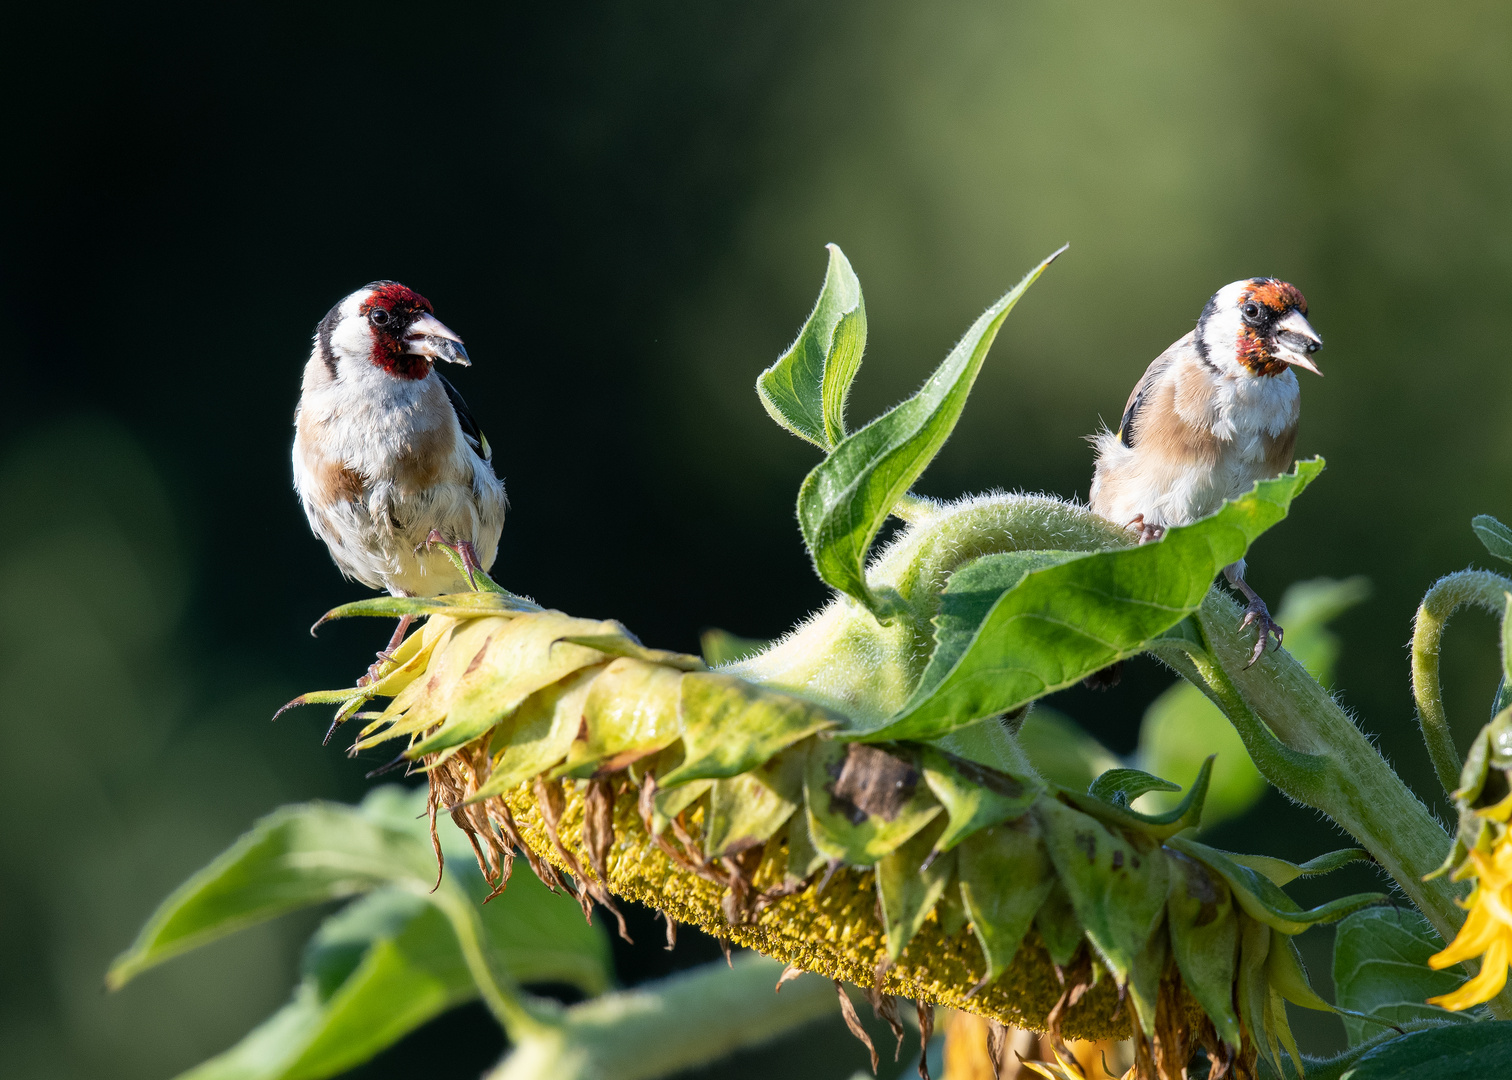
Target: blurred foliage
<point>164,754</point>
<point>169,245</point>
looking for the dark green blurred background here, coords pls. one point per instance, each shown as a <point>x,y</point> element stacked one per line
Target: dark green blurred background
<point>622,208</point>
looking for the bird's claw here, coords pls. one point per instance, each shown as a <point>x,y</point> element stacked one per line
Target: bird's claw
<point>1148,533</point>
<point>1258,614</point>
<point>463,550</point>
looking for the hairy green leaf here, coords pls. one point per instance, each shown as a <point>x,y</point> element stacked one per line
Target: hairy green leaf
<point>1125,785</point>
<point>720,647</point>
<point>624,644</point>
<point>1252,990</point>
<point>862,803</point>
<point>1118,887</point>
<point>1184,815</point>
<point>423,703</point>
<point>1473,1052</point>
<point>631,712</point>
<point>524,655</point>
<point>538,734</point>
<point>1057,924</point>
<point>1282,872</point>
<point>730,726</point>
<point>1060,623</point>
<point>1205,940</point>
<point>1496,536</point>
<point>847,497</point>
<point>910,884</point>
<point>461,605</point>
<point>1380,968</point>
<point>973,795</point>
<point>1005,879</point>
<point>746,810</point>
<point>1264,901</point>
<point>805,390</point>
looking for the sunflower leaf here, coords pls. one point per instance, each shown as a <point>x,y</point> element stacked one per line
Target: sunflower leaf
<point>847,497</point>
<point>1060,623</point>
<point>805,390</point>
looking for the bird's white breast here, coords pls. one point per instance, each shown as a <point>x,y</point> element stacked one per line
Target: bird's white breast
<point>401,441</point>
<point>1233,421</point>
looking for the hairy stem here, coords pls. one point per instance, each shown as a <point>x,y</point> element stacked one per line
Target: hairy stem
<point>1485,590</point>
<point>672,1024</point>
<point>1345,776</point>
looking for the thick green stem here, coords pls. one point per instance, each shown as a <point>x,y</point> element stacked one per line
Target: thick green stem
<point>1314,753</point>
<point>676,1023</point>
<point>1479,587</point>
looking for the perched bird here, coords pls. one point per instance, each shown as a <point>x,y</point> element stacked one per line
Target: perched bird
<point>388,459</point>
<point>1214,413</point>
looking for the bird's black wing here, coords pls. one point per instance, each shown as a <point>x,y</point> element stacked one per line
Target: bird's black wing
<point>470,429</point>
<point>1141,394</point>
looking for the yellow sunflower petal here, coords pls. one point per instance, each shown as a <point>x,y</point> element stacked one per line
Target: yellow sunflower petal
<point>1484,987</point>
<point>1498,812</point>
<point>1475,937</point>
<point>1495,903</point>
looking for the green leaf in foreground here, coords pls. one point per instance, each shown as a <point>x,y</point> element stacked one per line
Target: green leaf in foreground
<point>1496,536</point>
<point>1055,625</point>
<point>387,964</point>
<point>848,496</point>
<point>380,967</point>
<point>1473,1052</point>
<point>1380,968</point>
<point>805,389</point>
<point>295,857</point>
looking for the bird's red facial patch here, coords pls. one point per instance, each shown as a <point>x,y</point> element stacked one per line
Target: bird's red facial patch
<point>391,295</point>
<point>1276,295</point>
<point>389,309</point>
<point>1255,353</point>
<point>1277,298</point>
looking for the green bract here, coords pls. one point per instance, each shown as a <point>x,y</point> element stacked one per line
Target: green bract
<point>848,496</point>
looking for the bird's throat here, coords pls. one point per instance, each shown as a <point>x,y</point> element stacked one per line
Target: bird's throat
<point>389,355</point>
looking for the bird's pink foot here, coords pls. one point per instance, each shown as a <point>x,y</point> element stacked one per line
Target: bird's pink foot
<point>1147,533</point>
<point>1258,614</point>
<point>387,655</point>
<point>463,550</point>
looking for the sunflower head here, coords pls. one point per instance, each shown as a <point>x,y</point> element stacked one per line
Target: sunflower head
<point>1482,854</point>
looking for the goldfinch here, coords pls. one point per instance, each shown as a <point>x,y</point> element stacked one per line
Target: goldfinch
<point>1214,413</point>
<point>388,459</point>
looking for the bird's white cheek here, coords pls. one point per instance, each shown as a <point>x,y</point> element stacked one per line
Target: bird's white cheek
<point>353,338</point>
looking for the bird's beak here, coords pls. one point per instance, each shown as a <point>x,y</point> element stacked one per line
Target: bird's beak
<point>429,336</point>
<point>1298,341</point>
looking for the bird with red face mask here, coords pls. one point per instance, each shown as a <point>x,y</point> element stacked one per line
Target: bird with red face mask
<point>387,456</point>
<point>1214,413</point>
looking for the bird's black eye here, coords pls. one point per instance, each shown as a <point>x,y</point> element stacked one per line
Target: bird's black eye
<point>378,316</point>
<point>1251,312</point>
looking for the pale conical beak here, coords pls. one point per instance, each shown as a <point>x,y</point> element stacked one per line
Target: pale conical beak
<point>429,336</point>
<point>1297,341</point>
